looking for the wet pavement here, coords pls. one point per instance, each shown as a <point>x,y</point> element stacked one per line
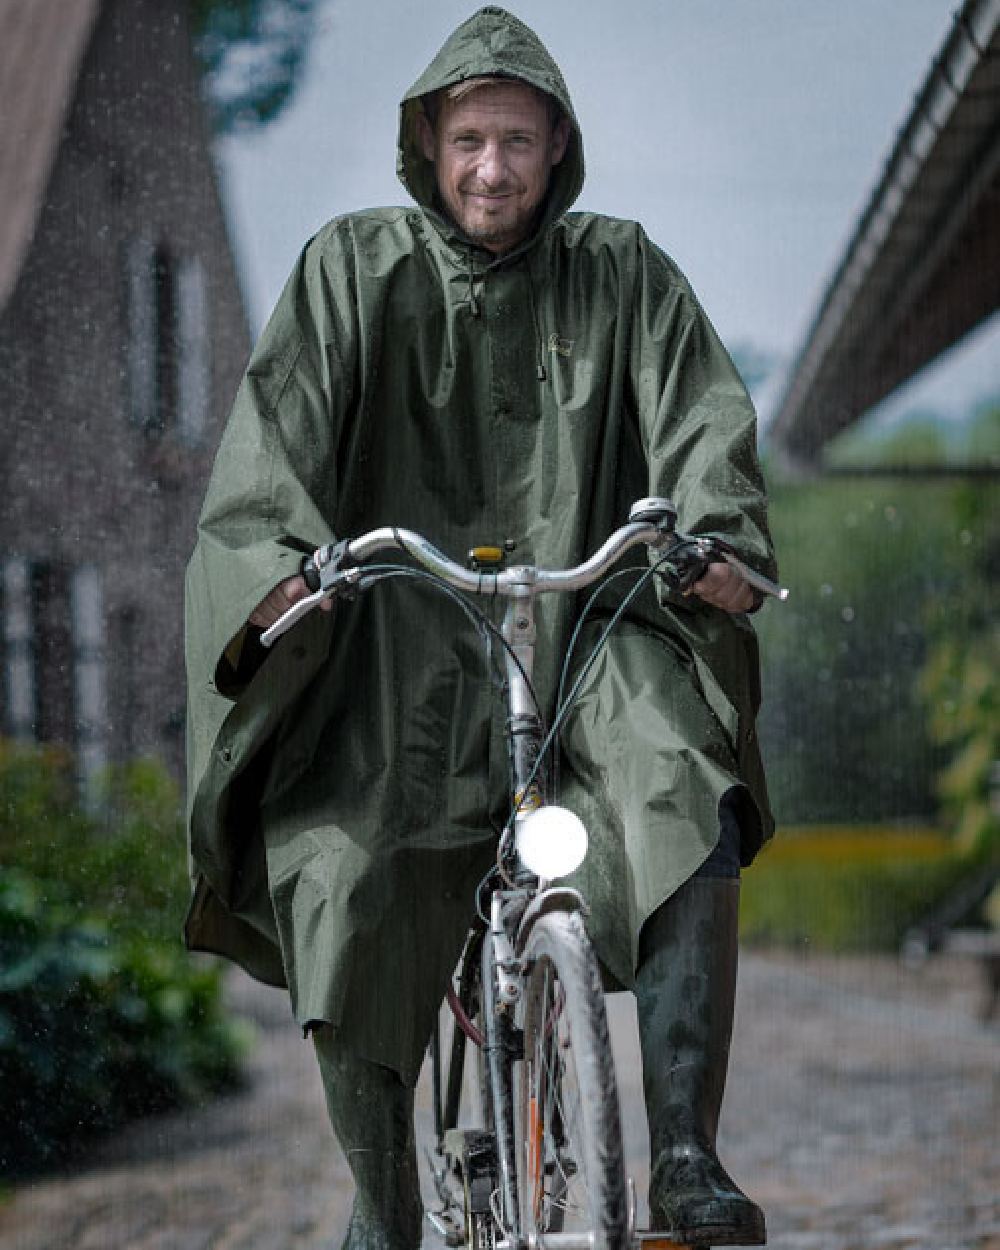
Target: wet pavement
<point>863,1114</point>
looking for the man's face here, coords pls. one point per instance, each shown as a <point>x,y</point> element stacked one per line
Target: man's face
<point>493,151</point>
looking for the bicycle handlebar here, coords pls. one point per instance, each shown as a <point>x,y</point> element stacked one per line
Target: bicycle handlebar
<point>339,567</point>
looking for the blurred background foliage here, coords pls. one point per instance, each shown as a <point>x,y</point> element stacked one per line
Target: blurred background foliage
<point>103,1014</point>
<point>881,709</point>
<point>868,667</point>
<point>252,53</point>
<point>847,888</point>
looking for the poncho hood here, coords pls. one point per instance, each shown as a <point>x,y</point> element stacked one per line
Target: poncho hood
<point>491,43</point>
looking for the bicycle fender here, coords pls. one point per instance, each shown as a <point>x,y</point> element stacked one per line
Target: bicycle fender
<point>559,898</point>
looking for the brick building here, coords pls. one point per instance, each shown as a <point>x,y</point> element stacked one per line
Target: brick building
<point>122,338</point>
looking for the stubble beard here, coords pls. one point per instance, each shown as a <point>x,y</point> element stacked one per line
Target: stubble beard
<point>503,231</point>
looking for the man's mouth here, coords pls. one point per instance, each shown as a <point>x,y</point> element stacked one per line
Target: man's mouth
<point>489,197</point>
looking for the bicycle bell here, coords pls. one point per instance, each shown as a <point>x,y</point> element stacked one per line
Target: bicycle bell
<point>653,511</point>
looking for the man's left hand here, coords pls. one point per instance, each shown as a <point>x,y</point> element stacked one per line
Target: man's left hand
<point>723,587</point>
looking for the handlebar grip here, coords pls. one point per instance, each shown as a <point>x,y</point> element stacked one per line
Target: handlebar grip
<point>310,573</point>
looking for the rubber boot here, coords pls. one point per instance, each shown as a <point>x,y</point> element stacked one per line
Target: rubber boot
<point>685,988</point>
<point>371,1111</point>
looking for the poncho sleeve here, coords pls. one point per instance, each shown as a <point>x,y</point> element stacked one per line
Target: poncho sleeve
<point>273,490</point>
<point>698,429</point>
<point>696,419</point>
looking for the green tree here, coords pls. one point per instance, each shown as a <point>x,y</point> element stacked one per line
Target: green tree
<point>960,682</point>
<point>880,571</point>
<point>923,439</point>
<point>880,669</point>
<point>252,54</point>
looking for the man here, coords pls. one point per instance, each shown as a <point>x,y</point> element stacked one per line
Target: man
<point>486,367</point>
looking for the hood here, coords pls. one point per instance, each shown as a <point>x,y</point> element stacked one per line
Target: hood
<point>491,42</point>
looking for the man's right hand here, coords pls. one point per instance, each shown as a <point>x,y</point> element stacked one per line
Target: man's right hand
<point>281,598</point>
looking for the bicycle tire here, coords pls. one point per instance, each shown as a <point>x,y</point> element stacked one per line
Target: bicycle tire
<point>571,1170</point>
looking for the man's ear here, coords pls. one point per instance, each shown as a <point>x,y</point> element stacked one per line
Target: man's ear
<point>425,135</point>
<point>560,139</point>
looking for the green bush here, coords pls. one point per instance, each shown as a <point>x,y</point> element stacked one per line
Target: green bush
<point>846,889</point>
<point>103,1015</point>
<point>880,570</point>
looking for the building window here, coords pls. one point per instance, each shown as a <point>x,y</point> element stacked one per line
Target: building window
<point>142,332</point>
<point>193,365</point>
<point>52,646</point>
<point>19,650</point>
<point>86,604</point>
<point>168,342</point>
<point>164,340</point>
<point>54,659</point>
<point>124,675</point>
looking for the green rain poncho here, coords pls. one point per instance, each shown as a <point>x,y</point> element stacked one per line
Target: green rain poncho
<point>345,789</point>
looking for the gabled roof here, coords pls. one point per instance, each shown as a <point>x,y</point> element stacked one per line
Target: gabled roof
<point>42,45</point>
<point>923,267</point>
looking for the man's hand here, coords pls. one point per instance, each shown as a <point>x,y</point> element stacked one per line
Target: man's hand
<point>281,598</point>
<point>723,587</point>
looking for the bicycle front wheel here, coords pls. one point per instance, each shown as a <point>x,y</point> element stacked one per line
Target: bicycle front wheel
<point>571,1172</point>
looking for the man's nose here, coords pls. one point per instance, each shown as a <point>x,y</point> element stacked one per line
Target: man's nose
<point>491,169</point>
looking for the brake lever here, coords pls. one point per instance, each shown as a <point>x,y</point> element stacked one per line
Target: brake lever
<point>692,556</point>
<point>327,572</point>
<point>757,580</point>
<point>294,614</point>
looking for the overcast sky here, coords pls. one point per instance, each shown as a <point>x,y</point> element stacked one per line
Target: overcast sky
<point>746,135</point>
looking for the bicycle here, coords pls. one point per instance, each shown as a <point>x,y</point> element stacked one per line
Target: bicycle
<point>545,1166</point>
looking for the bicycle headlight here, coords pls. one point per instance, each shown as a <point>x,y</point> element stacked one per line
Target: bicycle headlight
<point>551,842</point>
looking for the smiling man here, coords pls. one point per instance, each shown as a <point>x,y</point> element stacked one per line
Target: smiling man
<point>493,144</point>
<point>487,366</point>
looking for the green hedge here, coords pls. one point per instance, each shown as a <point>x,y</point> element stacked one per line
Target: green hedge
<point>103,1015</point>
<point>840,889</point>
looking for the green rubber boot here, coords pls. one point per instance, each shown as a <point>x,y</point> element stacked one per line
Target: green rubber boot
<point>371,1111</point>
<point>685,988</point>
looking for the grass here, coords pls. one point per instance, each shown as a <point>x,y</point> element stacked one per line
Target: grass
<point>846,888</point>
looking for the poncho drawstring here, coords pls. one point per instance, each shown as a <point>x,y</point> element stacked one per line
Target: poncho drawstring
<point>473,302</point>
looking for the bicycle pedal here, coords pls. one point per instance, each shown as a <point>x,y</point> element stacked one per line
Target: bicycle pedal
<point>649,1239</point>
<point>445,1224</point>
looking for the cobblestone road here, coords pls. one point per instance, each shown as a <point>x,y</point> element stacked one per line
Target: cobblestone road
<point>862,1114</point>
